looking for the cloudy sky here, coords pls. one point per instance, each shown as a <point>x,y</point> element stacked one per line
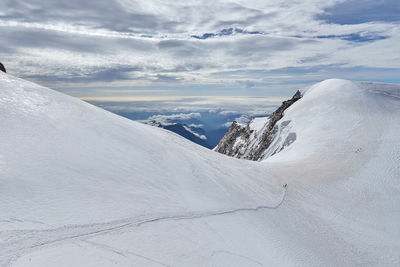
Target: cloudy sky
<point>142,50</point>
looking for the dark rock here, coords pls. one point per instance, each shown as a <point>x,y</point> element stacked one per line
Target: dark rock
<point>2,68</point>
<point>269,134</point>
<point>227,143</point>
<point>246,148</point>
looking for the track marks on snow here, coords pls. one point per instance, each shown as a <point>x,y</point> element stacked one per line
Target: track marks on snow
<point>16,243</point>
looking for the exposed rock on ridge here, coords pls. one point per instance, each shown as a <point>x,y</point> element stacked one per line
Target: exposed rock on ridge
<point>227,143</point>
<point>2,68</point>
<point>255,143</point>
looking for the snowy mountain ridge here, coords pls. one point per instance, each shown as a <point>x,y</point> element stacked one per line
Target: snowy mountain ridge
<point>264,137</point>
<point>80,186</point>
<point>261,137</point>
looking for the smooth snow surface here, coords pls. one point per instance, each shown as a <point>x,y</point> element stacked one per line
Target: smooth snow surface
<point>80,186</point>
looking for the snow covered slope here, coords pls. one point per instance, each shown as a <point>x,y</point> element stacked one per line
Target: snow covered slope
<point>80,186</point>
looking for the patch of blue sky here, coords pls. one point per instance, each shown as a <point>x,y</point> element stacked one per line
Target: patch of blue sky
<point>225,32</point>
<point>362,11</point>
<point>355,37</point>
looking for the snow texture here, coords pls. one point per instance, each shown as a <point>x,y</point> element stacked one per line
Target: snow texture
<point>80,186</point>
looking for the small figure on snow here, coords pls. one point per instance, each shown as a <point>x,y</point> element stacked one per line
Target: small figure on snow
<point>285,185</point>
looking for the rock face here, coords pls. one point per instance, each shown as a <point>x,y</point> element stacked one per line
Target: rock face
<point>261,137</point>
<point>2,68</point>
<point>227,143</point>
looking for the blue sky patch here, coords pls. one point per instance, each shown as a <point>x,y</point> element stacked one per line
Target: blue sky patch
<point>362,11</point>
<point>355,37</point>
<point>225,32</point>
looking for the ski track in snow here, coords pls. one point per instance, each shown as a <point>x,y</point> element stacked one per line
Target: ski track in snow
<point>15,243</point>
<point>123,253</point>
<point>216,252</point>
<point>77,183</point>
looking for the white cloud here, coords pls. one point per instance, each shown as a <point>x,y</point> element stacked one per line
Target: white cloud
<point>61,43</point>
<point>201,136</point>
<point>168,118</point>
<point>196,125</point>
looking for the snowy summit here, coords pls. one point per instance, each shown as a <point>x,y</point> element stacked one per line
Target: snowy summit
<point>81,186</point>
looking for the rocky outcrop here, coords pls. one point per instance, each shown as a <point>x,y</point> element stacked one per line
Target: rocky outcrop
<point>271,129</point>
<point>229,142</point>
<point>2,68</point>
<point>250,142</point>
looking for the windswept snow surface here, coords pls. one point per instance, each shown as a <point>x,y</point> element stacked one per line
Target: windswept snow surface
<point>80,186</point>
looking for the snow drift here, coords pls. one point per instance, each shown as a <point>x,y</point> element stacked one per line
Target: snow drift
<point>80,186</point>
